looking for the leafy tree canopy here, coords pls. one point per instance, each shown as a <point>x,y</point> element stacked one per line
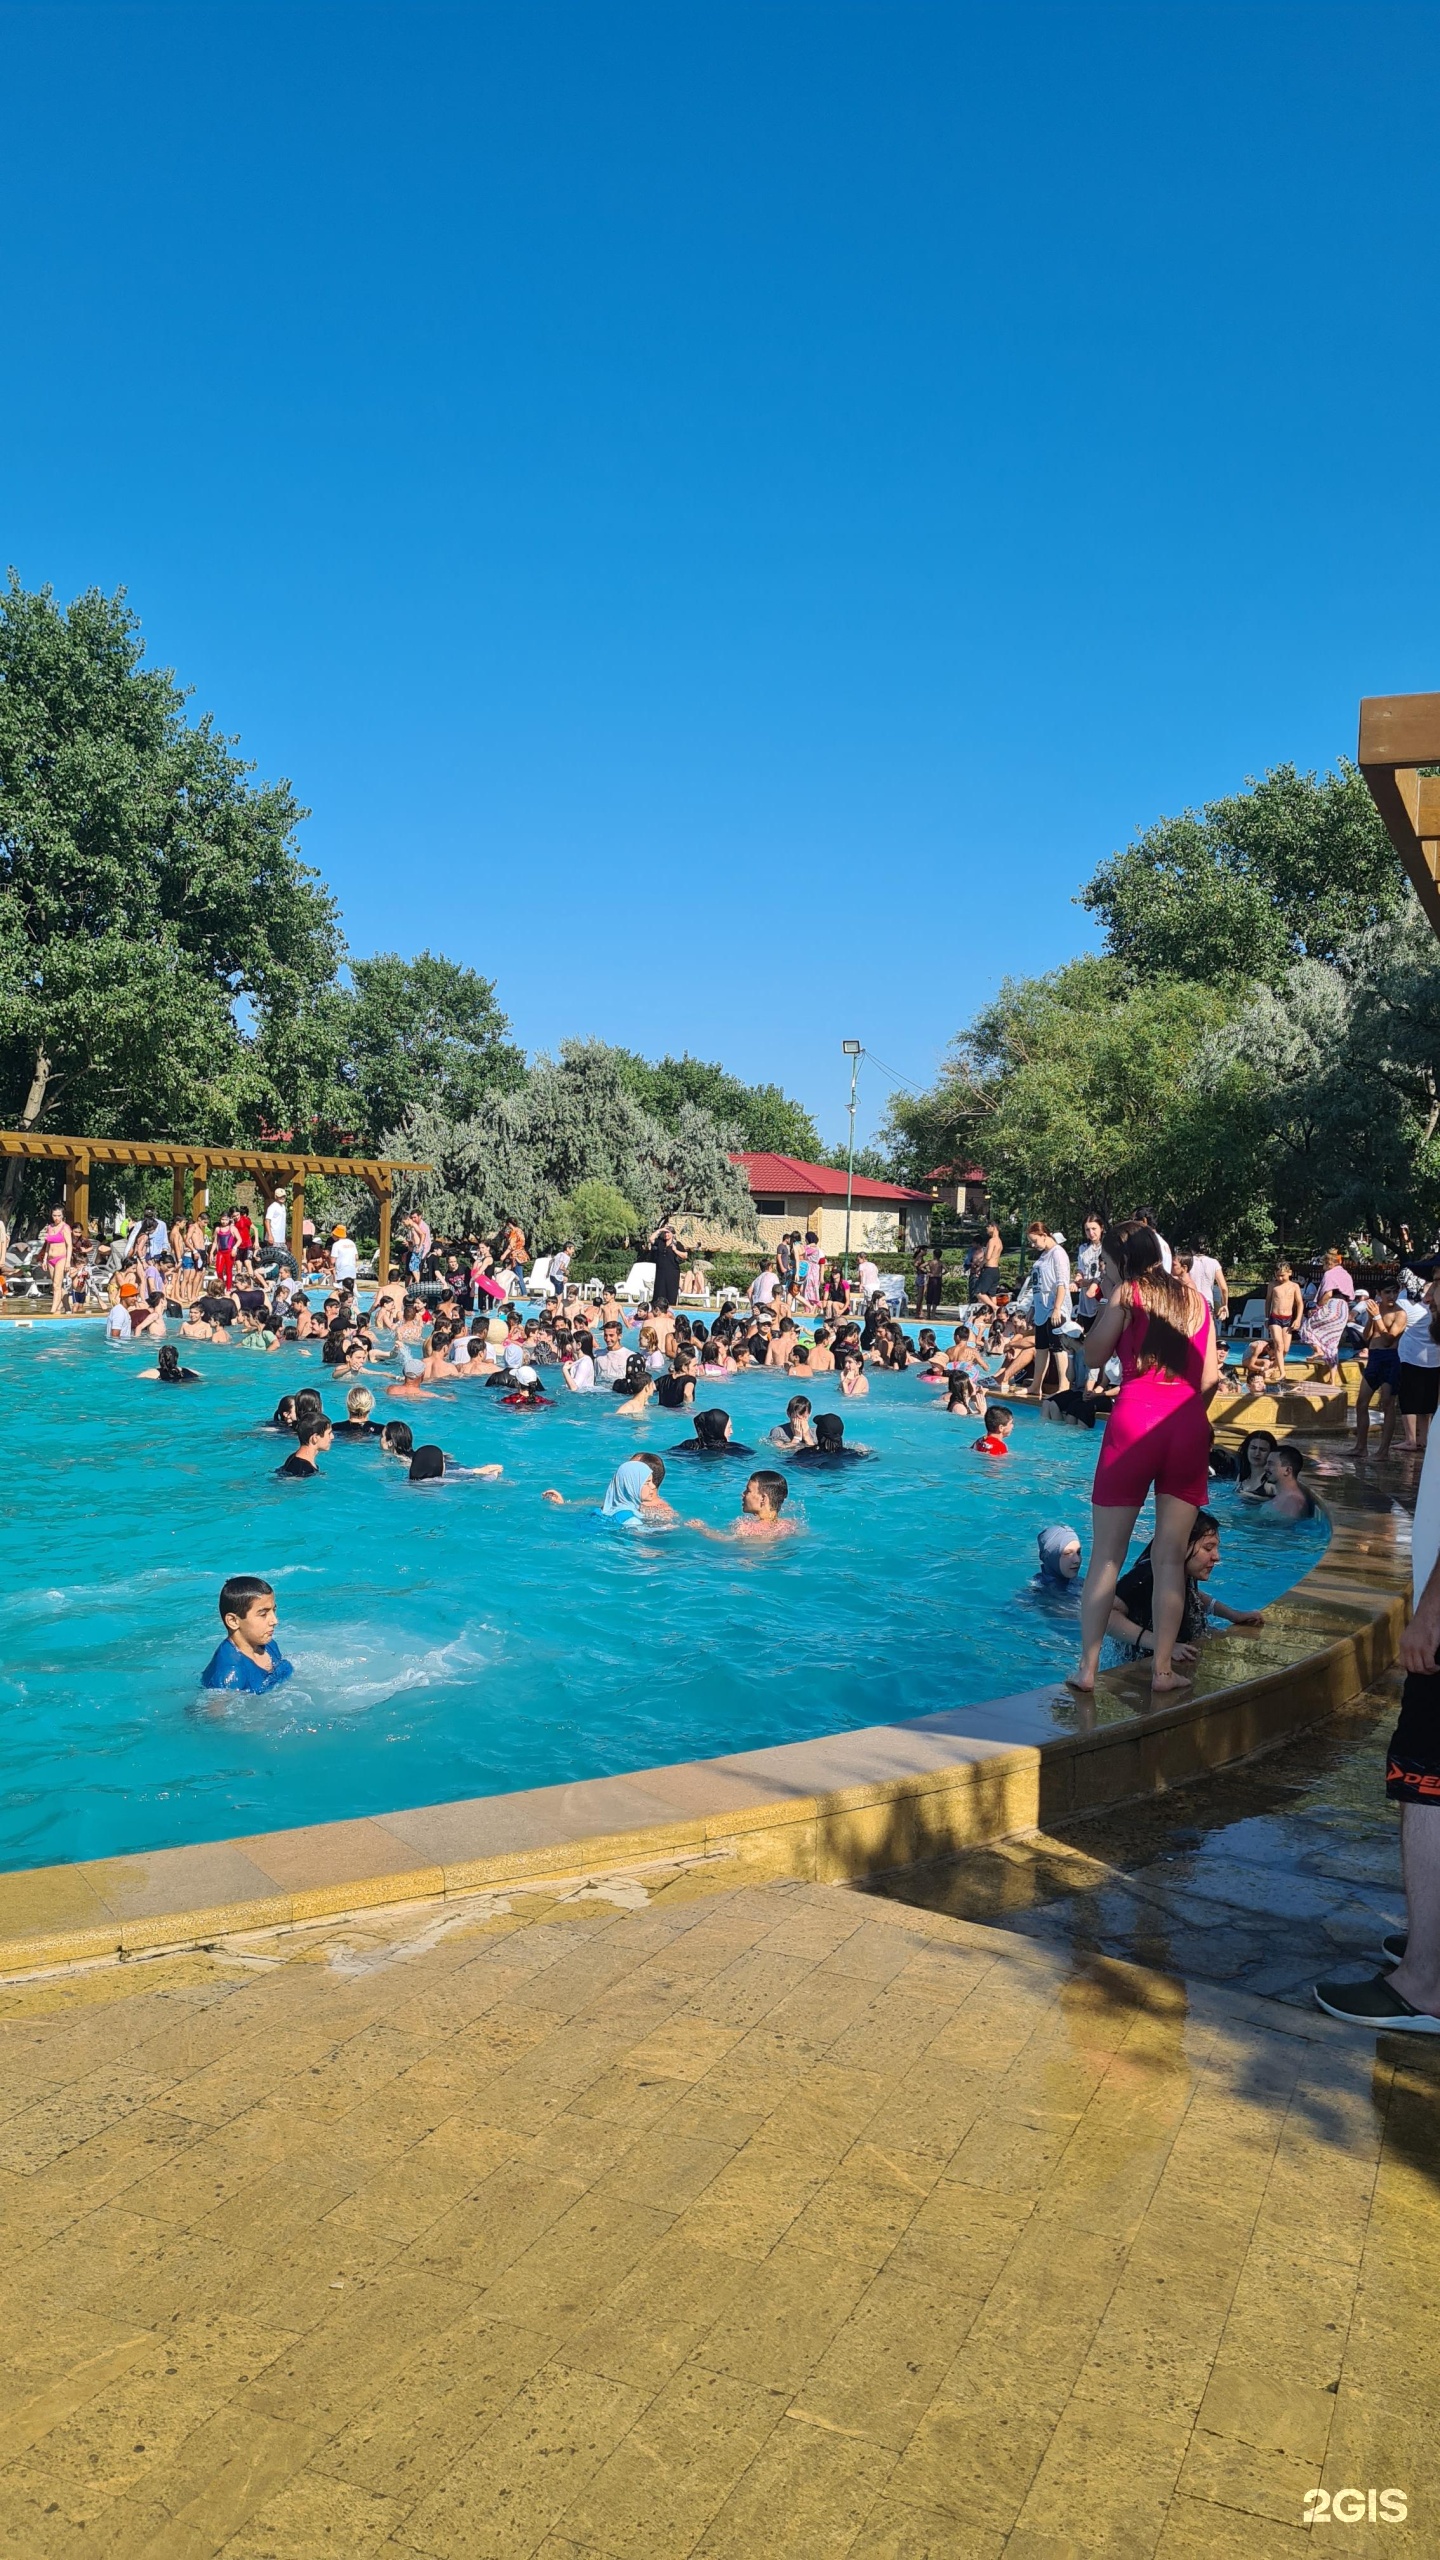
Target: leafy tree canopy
<point>595,1215</point>
<point>575,1121</point>
<point>761,1115</point>
<point>1290,868</point>
<point>423,1030</point>
<point>147,888</point>
<point>1070,1090</point>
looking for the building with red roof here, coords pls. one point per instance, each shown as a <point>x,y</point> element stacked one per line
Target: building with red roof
<point>886,1217</point>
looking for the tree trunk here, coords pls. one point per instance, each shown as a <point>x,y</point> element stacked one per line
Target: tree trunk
<point>15,1165</point>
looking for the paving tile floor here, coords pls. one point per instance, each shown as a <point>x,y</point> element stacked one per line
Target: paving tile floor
<point>1261,1877</point>
<point>679,2214</point>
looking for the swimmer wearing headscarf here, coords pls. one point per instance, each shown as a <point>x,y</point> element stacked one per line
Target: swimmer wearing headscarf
<point>1059,1576</point>
<point>633,1493</point>
<point>712,1438</point>
<point>429,1465</point>
<point>828,1449</point>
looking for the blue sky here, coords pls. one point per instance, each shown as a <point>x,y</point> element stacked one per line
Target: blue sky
<point>727,513</point>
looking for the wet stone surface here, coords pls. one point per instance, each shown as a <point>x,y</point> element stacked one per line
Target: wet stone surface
<point>1262,1878</point>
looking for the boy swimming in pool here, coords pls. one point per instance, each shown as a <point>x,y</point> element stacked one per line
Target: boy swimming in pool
<point>248,1656</point>
<point>760,1508</point>
<point>999,1423</point>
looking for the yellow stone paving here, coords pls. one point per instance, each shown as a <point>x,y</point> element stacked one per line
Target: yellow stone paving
<point>702,2218</point>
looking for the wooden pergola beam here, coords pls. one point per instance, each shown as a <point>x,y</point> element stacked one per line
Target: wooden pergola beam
<point>1400,734</point>
<point>42,1148</point>
<point>279,1170</point>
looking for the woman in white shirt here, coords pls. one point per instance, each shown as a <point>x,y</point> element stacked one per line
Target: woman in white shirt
<point>1419,1390</point>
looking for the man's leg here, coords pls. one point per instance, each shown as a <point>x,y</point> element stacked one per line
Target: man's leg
<point>1408,1997</point>
<point>1417,1979</point>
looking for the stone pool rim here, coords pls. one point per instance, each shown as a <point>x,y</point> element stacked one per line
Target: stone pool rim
<point>830,1810</point>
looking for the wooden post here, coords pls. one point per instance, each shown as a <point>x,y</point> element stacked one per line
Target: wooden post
<point>297,1220</point>
<point>80,1194</point>
<point>69,1191</point>
<point>177,1195</point>
<point>200,1190</point>
<point>380,1192</point>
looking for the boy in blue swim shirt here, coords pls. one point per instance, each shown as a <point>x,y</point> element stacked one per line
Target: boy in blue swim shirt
<point>248,1657</point>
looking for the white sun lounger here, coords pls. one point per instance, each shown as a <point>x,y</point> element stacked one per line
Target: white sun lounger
<point>639,1281</point>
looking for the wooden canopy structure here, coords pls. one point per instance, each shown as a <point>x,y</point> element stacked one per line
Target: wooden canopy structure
<point>1399,738</point>
<point>271,1173</point>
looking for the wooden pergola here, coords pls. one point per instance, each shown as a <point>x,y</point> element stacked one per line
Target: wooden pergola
<point>1399,738</point>
<point>272,1173</point>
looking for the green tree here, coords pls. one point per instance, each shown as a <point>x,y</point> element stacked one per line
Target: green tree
<point>1077,1091</point>
<point>1330,1089</point>
<point>595,1215</point>
<point>760,1115</point>
<point>422,1030</point>
<point>156,923</point>
<point>575,1120</point>
<point>1294,867</point>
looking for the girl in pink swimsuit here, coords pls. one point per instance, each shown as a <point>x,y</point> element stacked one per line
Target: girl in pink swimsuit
<point>1158,1434</point>
<point>56,1243</point>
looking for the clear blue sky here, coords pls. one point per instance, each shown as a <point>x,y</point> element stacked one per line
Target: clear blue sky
<point>727,512</point>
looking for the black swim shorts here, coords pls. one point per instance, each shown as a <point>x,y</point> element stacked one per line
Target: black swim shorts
<point>1412,1764</point>
<point>1419,1388</point>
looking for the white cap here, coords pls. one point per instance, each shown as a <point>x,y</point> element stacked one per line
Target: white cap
<point>527,1378</point>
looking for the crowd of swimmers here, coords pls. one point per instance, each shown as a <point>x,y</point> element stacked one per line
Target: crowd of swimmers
<point>1081,1370</point>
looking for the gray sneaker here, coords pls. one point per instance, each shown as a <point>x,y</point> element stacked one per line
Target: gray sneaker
<point>1373,2004</point>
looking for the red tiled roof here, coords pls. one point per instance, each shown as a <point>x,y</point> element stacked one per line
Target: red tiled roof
<point>819,1181</point>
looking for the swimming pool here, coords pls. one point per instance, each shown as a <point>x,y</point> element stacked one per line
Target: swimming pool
<point>467,1638</point>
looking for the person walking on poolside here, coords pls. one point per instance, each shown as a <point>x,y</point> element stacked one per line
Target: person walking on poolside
<point>1404,1996</point>
<point>1157,1435</point>
<point>666,1256</point>
<point>1380,1378</point>
<point>1209,1278</point>
<point>1049,1306</point>
<point>1417,1394</point>
<point>809,1270</point>
<point>1284,1307</point>
<point>985,1267</point>
<point>57,1246</point>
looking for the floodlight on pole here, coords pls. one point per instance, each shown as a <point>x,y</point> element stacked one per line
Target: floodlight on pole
<point>853,1051</point>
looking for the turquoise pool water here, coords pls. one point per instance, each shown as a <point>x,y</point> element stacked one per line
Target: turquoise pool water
<point>466,1638</point>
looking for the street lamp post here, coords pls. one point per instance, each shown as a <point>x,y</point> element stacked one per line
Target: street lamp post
<point>850,1049</point>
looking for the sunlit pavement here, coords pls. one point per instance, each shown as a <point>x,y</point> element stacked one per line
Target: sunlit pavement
<point>685,2215</point>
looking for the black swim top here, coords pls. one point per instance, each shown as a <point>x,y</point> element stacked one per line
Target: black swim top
<point>295,1465</point>
<point>357,1430</point>
<point>826,1457</point>
<point>712,1449</point>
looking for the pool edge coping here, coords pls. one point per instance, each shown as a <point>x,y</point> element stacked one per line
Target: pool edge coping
<point>919,1789</point>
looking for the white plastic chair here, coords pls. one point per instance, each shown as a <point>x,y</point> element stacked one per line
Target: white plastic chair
<point>639,1282</point>
<point>538,1284</point>
<point>1249,1325</point>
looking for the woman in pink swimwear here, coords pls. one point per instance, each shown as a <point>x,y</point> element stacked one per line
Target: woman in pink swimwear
<point>56,1246</point>
<point>1158,1434</point>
